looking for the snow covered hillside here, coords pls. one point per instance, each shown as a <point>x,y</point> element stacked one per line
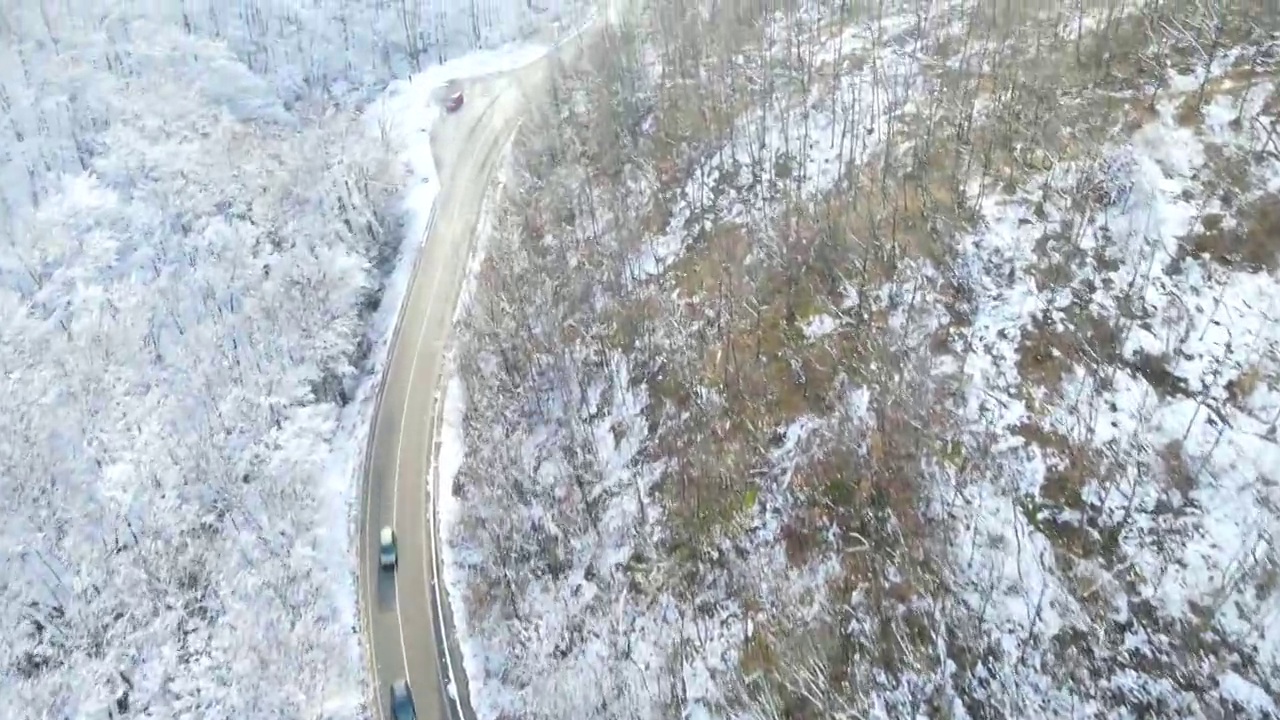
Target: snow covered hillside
<point>196,226</point>
<point>884,361</point>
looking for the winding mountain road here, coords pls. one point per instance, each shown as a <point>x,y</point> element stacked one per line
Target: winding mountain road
<point>407,623</point>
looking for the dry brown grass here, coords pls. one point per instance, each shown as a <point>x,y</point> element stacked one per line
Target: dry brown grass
<point>1251,244</point>
<point>1048,350</point>
<point>1085,548</point>
<point>1243,385</point>
<point>1156,370</point>
<point>1046,356</point>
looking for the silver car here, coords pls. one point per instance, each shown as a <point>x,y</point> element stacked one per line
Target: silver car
<point>387,548</point>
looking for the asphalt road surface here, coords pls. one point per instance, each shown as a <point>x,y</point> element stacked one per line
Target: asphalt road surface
<point>400,608</point>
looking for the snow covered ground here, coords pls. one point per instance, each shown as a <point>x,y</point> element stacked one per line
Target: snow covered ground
<point>588,642</point>
<point>1182,414</point>
<point>1118,376</point>
<point>865,80</point>
<point>1077,598</point>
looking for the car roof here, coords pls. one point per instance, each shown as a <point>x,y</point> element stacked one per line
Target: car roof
<point>386,534</point>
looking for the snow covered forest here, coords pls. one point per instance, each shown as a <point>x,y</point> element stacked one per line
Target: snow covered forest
<point>896,359</point>
<point>195,228</point>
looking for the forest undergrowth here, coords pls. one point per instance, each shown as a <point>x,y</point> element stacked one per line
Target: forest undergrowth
<point>898,359</point>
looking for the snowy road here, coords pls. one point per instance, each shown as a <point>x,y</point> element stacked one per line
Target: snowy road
<point>402,612</point>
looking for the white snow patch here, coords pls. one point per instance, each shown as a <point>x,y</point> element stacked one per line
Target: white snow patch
<point>1208,324</point>
<point>1247,695</point>
<point>820,325</point>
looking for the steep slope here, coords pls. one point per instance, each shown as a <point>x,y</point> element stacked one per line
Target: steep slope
<point>885,361</point>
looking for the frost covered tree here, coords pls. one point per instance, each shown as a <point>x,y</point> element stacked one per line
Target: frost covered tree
<point>194,225</point>
<point>187,267</point>
<point>899,314</point>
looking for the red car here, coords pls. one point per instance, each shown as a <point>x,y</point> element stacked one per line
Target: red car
<point>454,102</point>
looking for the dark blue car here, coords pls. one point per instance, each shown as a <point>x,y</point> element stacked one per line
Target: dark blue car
<point>402,701</point>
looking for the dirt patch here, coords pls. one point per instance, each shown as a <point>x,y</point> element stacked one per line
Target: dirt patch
<point>1045,355</point>
<point>1190,114</point>
<point>1060,511</point>
<point>1250,244</point>
<point>1243,385</point>
<point>1050,350</point>
<point>1156,371</point>
<point>1177,474</point>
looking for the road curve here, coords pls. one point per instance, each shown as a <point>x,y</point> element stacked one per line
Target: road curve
<point>402,613</point>
<point>399,610</point>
